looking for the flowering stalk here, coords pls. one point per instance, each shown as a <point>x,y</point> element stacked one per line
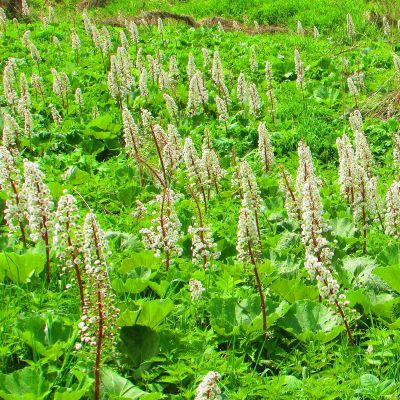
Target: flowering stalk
<point>353,90</point>
<point>242,90</point>
<point>396,153</point>
<point>392,220</point>
<point>10,179</point>
<point>195,169</point>
<point>265,148</point>
<point>163,235</point>
<point>208,388</point>
<point>248,249</point>
<point>97,326</point>
<point>75,44</point>
<point>217,74</point>
<point>39,204</point>
<point>299,68</point>
<point>254,100</point>
<point>67,239</point>
<point>292,205</point>
<point>318,254</point>
<point>251,194</point>
<point>270,89</point>
<point>203,246</point>
<point>132,138</point>
<point>209,158</point>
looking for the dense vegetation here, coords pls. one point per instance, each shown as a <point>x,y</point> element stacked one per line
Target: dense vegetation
<point>200,213</point>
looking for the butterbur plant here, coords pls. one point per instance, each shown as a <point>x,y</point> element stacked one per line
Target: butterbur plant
<point>98,322</point>
<point>75,44</point>
<point>38,208</point>
<point>292,204</point>
<point>210,161</point>
<point>203,246</point>
<point>299,69</point>
<point>318,255</point>
<point>351,30</point>
<point>196,289</point>
<point>353,90</point>
<point>198,95</point>
<point>265,148</point>
<point>67,239</point>
<point>396,153</point>
<point>163,235</point>
<point>241,90</point>
<point>251,194</point>
<point>10,134</point>
<point>195,170</point>
<point>217,75</point>
<point>10,181</point>
<point>248,249</point>
<point>132,138</point>
<point>270,90</point>
<point>208,388</point>
<point>392,216</point>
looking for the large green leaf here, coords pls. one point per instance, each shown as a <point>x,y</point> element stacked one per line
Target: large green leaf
<point>308,319</point>
<point>138,343</point>
<point>228,314</point>
<point>293,289</point>
<point>149,313</point>
<point>145,259</point>
<point>102,128</point>
<point>115,387</point>
<point>390,255</point>
<point>223,314</point>
<point>391,275</point>
<point>70,394</point>
<point>20,267</point>
<point>24,384</point>
<point>46,335</point>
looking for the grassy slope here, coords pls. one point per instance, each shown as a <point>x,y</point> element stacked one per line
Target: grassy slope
<point>283,12</point>
<point>327,369</point>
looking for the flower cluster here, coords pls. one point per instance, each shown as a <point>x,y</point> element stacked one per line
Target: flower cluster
<point>38,202</point>
<point>292,204</point>
<point>99,312</point>
<point>351,31</point>
<point>318,254</point>
<point>172,151</point>
<point>222,109</point>
<point>120,79</point>
<point>208,388</point>
<point>55,114</point>
<point>10,94</point>
<point>10,180</point>
<point>198,95</point>
<point>347,162</point>
<point>248,242</point>
<point>210,160</point>
<point>164,234</point>
<point>254,100</point>
<point>203,246</point>
<point>196,289</point>
<point>195,168</point>
<point>131,133</point>
<point>253,60</point>
<point>299,68</point>
<point>217,75</point>
<point>242,90</point>
<point>392,216</point>
<point>10,133</point>
<point>265,148</point>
